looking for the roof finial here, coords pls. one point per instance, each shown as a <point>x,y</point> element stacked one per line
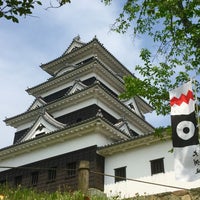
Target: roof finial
<point>77,38</point>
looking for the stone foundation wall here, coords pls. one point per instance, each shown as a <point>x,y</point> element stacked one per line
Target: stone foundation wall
<point>193,194</point>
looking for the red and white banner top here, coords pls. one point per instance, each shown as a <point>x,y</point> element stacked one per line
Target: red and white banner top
<point>182,100</point>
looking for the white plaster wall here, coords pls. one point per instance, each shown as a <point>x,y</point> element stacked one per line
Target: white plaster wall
<point>54,150</point>
<point>138,160</point>
<point>132,188</point>
<point>138,168</point>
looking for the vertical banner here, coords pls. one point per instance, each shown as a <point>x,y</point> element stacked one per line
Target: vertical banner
<point>185,133</point>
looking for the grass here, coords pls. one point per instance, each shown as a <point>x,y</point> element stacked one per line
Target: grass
<point>20,193</point>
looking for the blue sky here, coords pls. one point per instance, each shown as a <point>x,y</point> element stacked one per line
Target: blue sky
<point>45,36</point>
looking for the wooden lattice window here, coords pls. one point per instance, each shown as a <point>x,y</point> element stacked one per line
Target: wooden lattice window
<point>52,174</point>
<point>71,169</point>
<point>157,166</point>
<point>34,178</point>
<point>120,174</point>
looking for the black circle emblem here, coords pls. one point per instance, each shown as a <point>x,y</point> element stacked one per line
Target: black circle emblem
<point>185,130</point>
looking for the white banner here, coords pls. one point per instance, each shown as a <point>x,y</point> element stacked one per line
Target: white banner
<point>185,133</point>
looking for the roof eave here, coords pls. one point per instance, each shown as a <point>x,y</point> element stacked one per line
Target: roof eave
<point>132,143</point>
<point>97,124</point>
<point>95,46</point>
<point>101,92</point>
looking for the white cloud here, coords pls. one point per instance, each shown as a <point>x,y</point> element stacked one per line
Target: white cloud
<point>39,39</point>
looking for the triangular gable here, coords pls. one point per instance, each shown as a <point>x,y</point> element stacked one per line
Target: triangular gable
<point>78,85</point>
<point>39,102</point>
<point>43,125</point>
<point>123,126</point>
<point>131,103</point>
<point>143,106</point>
<point>76,43</point>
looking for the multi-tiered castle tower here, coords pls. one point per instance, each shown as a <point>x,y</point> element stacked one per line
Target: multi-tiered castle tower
<point>76,115</point>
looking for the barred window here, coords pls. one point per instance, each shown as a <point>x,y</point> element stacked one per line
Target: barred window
<point>120,174</point>
<point>34,176</point>
<point>71,169</point>
<point>157,166</point>
<point>40,134</point>
<point>52,174</point>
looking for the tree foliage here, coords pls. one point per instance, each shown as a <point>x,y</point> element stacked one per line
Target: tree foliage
<point>174,26</point>
<point>13,9</point>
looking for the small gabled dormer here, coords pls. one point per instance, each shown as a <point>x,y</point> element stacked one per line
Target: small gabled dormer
<point>44,124</point>
<point>76,43</point>
<point>122,125</point>
<point>78,85</point>
<point>38,102</point>
<point>131,104</point>
<point>65,69</point>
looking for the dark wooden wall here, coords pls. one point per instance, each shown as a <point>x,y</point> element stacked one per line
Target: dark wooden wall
<point>63,180</point>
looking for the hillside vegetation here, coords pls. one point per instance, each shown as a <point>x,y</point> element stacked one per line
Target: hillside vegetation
<point>20,193</point>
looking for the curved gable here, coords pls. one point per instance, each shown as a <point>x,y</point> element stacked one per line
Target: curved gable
<point>43,125</point>
<point>78,85</point>
<point>76,43</point>
<point>39,102</point>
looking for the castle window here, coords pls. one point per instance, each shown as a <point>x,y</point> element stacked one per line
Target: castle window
<point>157,166</point>
<point>34,179</point>
<point>40,134</point>
<point>52,174</point>
<point>18,180</point>
<point>120,174</point>
<point>71,169</point>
